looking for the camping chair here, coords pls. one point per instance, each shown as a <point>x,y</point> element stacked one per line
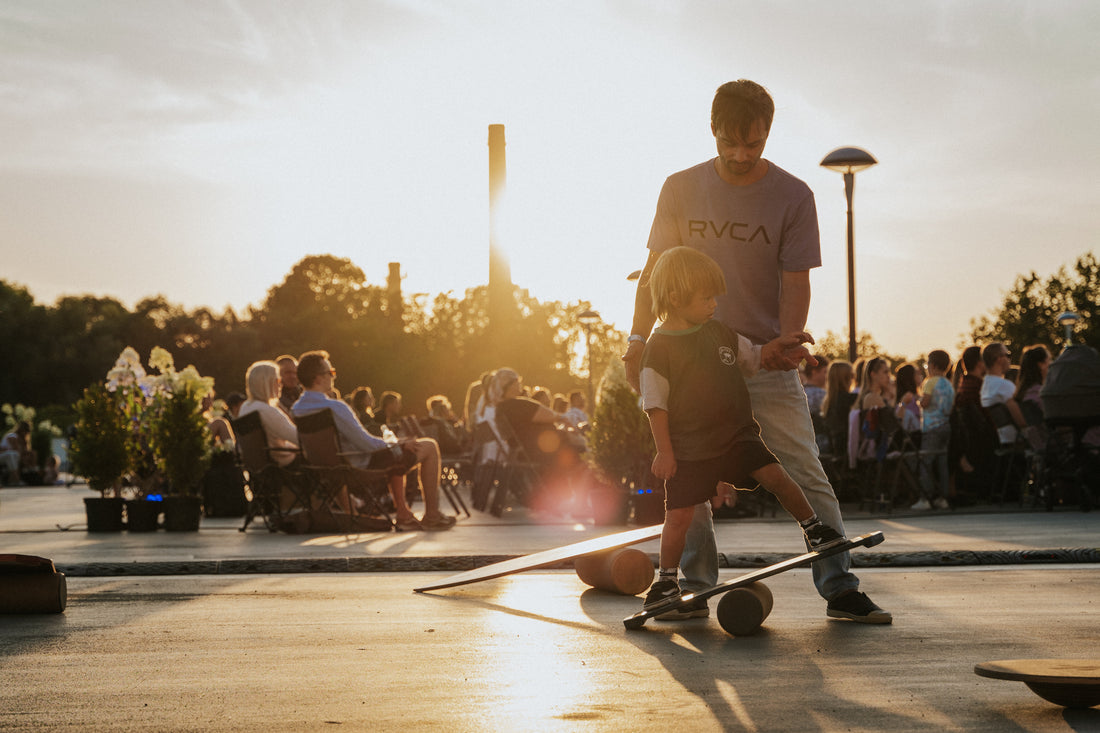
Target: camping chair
<point>488,457</point>
<point>273,491</point>
<point>877,455</point>
<point>330,475</point>
<point>905,456</point>
<point>1011,460</point>
<point>834,460</point>
<point>520,475</point>
<point>1069,463</point>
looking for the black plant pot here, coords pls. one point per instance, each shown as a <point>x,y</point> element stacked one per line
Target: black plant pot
<point>182,513</point>
<point>142,515</point>
<point>104,513</point>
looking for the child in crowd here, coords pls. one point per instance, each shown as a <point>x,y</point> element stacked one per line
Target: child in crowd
<point>937,399</point>
<point>699,411</point>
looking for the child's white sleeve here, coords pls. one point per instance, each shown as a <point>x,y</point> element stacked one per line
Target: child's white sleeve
<point>748,356</point>
<point>654,389</point>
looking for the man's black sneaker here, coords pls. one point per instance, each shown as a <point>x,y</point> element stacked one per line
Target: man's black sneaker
<point>821,536</point>
<point>857,607</point>
<point>659,592</point>
<point>696,609</point>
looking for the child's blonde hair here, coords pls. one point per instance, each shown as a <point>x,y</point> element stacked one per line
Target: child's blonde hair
<point>681,273</point>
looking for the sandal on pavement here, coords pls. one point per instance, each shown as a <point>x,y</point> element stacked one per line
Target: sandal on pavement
<point>412,524</point>
<point>437,524</point>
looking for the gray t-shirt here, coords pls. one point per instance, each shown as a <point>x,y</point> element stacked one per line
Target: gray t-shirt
<point>754,232</point>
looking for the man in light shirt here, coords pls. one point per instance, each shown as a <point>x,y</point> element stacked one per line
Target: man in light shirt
<point>316,375</point>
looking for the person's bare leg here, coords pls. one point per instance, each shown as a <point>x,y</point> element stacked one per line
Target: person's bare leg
<point>397,492</point>
<point>674,534</point>
<point>776,480</point>
<point>427,455</point>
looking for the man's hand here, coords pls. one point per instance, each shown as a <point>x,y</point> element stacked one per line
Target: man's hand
<point>632,360</point>
<point>664,465</point>
<point>785,352</point>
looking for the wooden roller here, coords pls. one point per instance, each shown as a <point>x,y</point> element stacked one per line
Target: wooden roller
<point>30,584</point>
<point>625,570</point>
<point>742,610</point>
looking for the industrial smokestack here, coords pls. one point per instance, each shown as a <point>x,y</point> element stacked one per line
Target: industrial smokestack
<point>500,273</point>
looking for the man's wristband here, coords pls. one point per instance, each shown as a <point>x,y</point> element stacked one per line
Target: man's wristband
<point>635,338</point>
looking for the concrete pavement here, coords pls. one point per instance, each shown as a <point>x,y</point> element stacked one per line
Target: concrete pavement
<point>30,519</point>
<point>302,651</point>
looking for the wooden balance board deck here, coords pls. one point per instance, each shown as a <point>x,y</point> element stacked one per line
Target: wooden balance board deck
<point>1071,683</point>
<point>547,557</point>
<point>638,620</point>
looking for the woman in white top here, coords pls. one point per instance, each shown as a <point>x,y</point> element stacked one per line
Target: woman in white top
<point>263,385</point>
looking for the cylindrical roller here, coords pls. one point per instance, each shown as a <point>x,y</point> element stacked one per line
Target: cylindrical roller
<point>625,570</point>
<point>33,593</point>
<point>742,610</point>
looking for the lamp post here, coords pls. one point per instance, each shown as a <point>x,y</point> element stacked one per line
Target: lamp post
<point>848,161</point>
<point>1067,321</point>
<point>588,319</point>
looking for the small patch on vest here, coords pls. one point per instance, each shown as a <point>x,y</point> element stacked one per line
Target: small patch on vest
<point>727,356</point>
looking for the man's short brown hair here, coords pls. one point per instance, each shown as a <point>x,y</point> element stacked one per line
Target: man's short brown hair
<point>737,105</point>
<point>311,365</point>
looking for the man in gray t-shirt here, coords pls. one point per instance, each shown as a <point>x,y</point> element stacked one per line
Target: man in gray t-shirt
<point>760,224</point>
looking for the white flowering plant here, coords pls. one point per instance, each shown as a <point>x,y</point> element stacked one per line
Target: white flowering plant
<point>156,419</point>
<point>178,431</point>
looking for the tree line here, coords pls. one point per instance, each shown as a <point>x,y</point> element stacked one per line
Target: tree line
<point>418,345</point>
<point>378,336</point>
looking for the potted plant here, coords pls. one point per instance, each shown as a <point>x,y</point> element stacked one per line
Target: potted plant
<point>99,453</point>
<point>134,393</point>
<point>179,439</point>
<point>621,446</point>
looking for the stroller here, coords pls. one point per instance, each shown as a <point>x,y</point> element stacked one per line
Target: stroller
<point>1067,465</point>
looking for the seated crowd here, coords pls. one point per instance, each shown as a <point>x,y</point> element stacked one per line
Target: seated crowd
<point>956,419</point>
<point>378,435</point>
<point>288,388</point>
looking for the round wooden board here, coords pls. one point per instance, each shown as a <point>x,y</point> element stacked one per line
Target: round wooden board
<point>1072,683</point>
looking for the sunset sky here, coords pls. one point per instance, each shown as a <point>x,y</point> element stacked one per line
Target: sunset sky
<point>198,149</point>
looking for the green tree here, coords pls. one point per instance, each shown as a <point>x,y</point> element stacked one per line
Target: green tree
<point>22,323</point>
<point>1031,307</point>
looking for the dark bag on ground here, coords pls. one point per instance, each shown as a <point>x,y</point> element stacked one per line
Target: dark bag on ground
<point>223,488</point>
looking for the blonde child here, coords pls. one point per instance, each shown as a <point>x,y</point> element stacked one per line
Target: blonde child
<point>693,389</point>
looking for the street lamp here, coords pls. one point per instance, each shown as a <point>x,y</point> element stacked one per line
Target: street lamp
<point>1067,321</point>
<point>848,161</point>
<point>588,319</point>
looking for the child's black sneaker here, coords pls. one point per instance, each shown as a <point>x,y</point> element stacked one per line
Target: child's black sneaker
<point>659,592</point>
<point>820,536</point>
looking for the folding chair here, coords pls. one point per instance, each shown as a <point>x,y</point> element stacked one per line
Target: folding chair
<point>1010,459</point>
<point>273,491</point>
<point>521,474</point>
<point>903,455</point>
<point>1070,464</point>
<point>448,480</point>
<point>841,476</point>
<point>488,454</point>
<point>331,475</point>
<point>877,456</point>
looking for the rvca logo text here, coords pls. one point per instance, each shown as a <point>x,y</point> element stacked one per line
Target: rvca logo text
<point>735,230</point>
